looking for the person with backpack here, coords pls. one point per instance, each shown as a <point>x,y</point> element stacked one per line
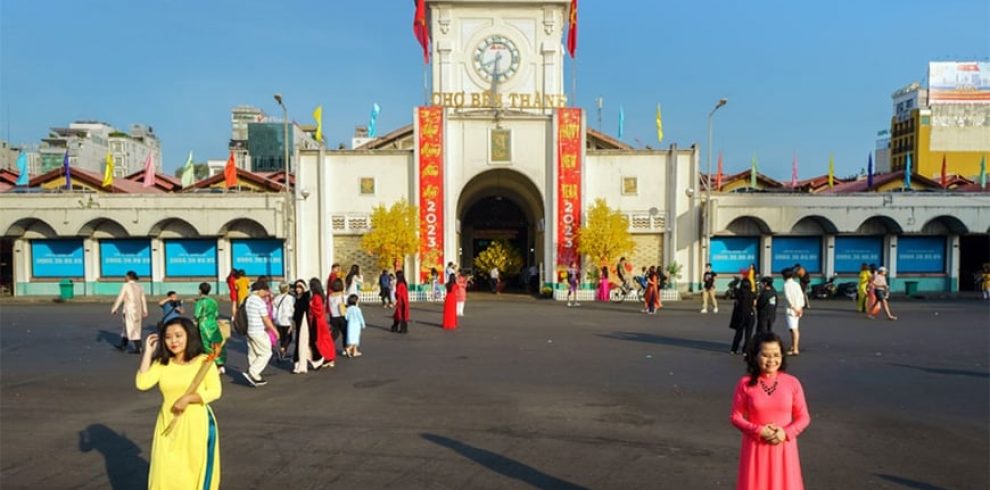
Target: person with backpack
<point>383,289</point>
<point>766,306</point>
<point>285,309</point>
<point>743,315</point>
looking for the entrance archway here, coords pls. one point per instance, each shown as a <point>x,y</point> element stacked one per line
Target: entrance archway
<point>501,204</point>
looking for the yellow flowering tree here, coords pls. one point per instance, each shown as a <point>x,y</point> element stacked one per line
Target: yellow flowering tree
<point>605,235</point>
<point>393,235</point>
<point>501,255</point>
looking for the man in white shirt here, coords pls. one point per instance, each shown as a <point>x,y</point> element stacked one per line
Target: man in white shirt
<point>794,300</point>
<point>259,324</point>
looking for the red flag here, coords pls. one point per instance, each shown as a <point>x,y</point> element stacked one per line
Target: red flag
<point>718,176</point>
<point>421,30</point>
<point>572,29</point>
<point>149,172</point>
<point>945,175</point>
<point>230,172</point>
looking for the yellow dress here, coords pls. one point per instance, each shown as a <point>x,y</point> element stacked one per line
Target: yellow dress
<point>189,457</point>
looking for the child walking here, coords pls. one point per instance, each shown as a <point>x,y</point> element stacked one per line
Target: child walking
<point>355,323</point>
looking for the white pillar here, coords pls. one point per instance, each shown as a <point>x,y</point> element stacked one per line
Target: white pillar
<point>890,242</point>
<point>157,266</point>
<point>22,262</point>
<point>223,263</point>
<point>828,256</point>
<point>953,257</point>
<point>766,256</point>
<point>91,264</point>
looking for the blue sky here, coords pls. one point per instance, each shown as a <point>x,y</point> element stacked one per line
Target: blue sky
<point>811,78</point>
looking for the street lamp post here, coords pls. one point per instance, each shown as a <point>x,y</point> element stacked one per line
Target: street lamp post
<point>708,183</point>
<point>289,250</point>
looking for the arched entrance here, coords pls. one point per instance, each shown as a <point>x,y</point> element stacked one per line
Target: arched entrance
<point>504,205</point>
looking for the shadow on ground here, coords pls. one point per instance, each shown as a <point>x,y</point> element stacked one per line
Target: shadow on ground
<point>949,372</point>
<point>650,338</point>
<point>908,483</point>
<point>125,467</point>
<point>503,465</point>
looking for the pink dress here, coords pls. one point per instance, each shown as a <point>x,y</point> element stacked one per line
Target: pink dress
<point>762,465</point>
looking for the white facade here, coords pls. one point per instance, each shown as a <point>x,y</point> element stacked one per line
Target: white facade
<point>472,39</point>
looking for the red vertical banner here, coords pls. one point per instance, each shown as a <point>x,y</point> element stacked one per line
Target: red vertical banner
<point>430,189</point>
<point>569,137</point>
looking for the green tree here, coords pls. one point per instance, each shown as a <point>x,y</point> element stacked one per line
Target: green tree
<point>605,235</point>
<point>501,255</point>
<point>393,234</point>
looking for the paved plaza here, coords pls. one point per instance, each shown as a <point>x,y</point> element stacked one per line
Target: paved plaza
<point>526,394</point>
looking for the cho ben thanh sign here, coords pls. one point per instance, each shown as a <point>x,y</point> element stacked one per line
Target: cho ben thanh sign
<point>430,146</point>
<point>488,100</point>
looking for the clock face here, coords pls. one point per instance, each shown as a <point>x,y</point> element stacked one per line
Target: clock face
<point>496,58</point>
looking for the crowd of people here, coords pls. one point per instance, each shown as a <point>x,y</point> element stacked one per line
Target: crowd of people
<point>301,324</point>
<point>755,305</point>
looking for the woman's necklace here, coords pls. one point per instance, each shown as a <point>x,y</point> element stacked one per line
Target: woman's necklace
<point>769,389</point>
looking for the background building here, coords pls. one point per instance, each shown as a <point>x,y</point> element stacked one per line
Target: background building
<point>89,141</point>
<point>881,157</point>
<point>257,140</point>
<point>130,150</point>
<point>950,119</point>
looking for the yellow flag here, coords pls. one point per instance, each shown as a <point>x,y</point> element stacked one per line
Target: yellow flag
<point>318,115</point>
<point>831,171</point>
<point>108,171</point>
<point>659,126</point>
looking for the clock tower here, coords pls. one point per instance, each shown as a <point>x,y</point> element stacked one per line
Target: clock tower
<point>498,53</point>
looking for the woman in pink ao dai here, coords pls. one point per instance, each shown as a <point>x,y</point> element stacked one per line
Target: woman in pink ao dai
<point>770,411</point>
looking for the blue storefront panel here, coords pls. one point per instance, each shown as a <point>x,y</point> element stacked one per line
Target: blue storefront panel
<point>257,257</point>
<point>57,258</point>
<point>731,254</point>
<point>921,254</point>
<point>119,256</point>
<point>791,250</point>
<point>853,251</point>
<point>190,258</point>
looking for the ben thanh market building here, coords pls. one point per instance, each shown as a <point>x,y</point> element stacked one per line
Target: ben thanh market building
<point>499,154</point>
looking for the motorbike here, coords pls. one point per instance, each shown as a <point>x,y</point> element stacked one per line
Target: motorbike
<point>829,289</point>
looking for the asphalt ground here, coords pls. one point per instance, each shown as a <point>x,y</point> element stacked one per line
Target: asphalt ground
<point>526,394</point>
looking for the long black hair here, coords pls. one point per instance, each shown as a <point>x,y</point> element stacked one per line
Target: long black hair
<point>755,345</point>
<point>400,277</point>
<point>194,345</point>
<point>316,289</point>
<point>355,271</point>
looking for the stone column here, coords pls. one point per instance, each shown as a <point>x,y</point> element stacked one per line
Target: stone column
<point>157,266</point>
<point>953,258</point>
<point>766,256</point>
<point>828,256</point>
<point>890,248</point>
<point>91,265</point>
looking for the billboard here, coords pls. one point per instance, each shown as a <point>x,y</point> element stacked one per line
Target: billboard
<point>190,258</point>
<point>853,251</point>
<point>732,254</point>
<point>119,256</point>
<point>958,81</point>
<point>921,254</point>
<point>57,258</point>
<point>791,250</point>
<point>257,257</point>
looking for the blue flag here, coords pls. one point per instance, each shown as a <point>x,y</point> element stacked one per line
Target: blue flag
<point>907,173</point>
<point>622,121</point>
<point>373,125</point>
<point>68,171</point>
<point>22,169</point>
<point>869,173</point>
